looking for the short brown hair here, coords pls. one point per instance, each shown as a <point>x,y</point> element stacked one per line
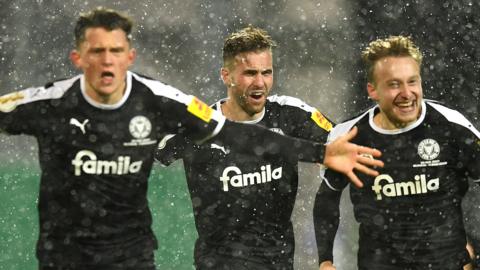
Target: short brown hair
<point>102,17</point>
<point>248,39</point>
<point>392,46</point>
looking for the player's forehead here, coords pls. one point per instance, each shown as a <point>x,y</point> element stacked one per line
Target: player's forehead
<point>102,37</point>
<point>395,67</point>
<point>261,60</point>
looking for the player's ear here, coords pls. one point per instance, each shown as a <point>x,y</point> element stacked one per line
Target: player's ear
<point>75,58</point>
<point>132,55</point>
<point>224,74</point>
<point>372,91</point>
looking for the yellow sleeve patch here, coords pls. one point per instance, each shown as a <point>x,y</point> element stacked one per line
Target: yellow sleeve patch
<point>321,120</point>
<point>200,109</point>
<point>9,102</point>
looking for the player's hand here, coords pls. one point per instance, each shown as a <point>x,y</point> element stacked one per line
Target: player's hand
<point>327,265</point>
<point>471,252</point>
<point>345,157</point>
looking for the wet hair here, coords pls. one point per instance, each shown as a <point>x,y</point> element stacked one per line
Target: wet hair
<point>249,39</point>
<point>101,17</point>
<point>396,46</point>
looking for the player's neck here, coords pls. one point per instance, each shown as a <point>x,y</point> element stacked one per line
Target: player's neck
<point>382,121</point>
<point>235,112</point>
<point>109,99</point>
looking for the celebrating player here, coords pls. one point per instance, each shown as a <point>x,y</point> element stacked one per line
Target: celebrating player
<point>243,203</point>
<point>97,133</point>
<point>410,215</point>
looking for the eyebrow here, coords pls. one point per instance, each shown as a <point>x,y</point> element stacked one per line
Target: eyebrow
<point>101,48</point>
<point>254,70</point>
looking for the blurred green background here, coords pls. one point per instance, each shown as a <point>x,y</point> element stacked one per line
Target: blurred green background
<point>172,213</point>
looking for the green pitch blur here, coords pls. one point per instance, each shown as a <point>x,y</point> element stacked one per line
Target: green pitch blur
<point>173,222</point>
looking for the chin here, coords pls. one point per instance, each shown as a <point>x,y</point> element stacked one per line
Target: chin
<point>406,121</point>
<point>107,90</point>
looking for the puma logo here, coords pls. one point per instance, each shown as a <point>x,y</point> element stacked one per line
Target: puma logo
<point>77,123</point>
<point>221,148</point>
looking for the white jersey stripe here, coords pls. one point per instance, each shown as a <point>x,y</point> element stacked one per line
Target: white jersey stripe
<point>161,89</point>
<point>455,117</point>
<point>343,128</point>
<point>32,94</point>
<point>291,101</point>
<point>57,90</point>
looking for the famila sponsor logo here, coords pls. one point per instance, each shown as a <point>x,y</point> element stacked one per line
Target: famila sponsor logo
<point>86,162</point>
<point>237,179</point>
<point>384,185</point>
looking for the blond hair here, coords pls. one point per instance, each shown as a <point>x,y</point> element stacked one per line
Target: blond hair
<point>396,46</point>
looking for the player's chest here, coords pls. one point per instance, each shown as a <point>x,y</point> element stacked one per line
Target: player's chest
<point>218,168</point>
<point>215,153</point>
<point>97,129</point>
<point>416,165</point>
<point>417,152</point>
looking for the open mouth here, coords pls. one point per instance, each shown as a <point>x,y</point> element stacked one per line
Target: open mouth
<point>107,74</point>
<point>256,95</point>
<point>107,77</point>
<point>406,106</point>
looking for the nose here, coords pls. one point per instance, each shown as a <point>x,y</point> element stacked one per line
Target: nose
<point>259,81</point>
<point>405,91</point>
<point>107,58</point>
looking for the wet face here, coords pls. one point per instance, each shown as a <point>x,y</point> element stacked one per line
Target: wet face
<point>397,89</point>
<point>104,57</point>
<point>249,80</point>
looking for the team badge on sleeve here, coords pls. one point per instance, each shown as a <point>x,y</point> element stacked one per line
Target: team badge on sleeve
<point>321,120</point>
<point>9,102</point>
<point>200,109</point>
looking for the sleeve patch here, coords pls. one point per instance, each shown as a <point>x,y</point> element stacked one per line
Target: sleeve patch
<point>321,120</point>
<point>200,109</point>
<point>9,102</point>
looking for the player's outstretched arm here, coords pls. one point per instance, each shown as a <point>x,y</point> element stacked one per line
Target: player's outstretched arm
<point>340,155</point>
<point>343,156</point>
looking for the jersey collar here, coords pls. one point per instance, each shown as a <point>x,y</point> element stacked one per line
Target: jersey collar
<point>107,106</point>
<point>396,131</point>
<point>218,106</point>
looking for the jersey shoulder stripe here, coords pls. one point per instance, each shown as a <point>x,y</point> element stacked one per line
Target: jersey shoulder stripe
<point>454,116</point>
<point>344,127</point>
<point>161,89</point>
<point>194,105</point>
<point>54,90</point>
<point>291,101</point>
<point>315,114</point>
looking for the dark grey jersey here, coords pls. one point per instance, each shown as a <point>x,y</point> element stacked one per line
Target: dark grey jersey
<point>411,213</point>
<point>242,202</point>
<point>95,160</point>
